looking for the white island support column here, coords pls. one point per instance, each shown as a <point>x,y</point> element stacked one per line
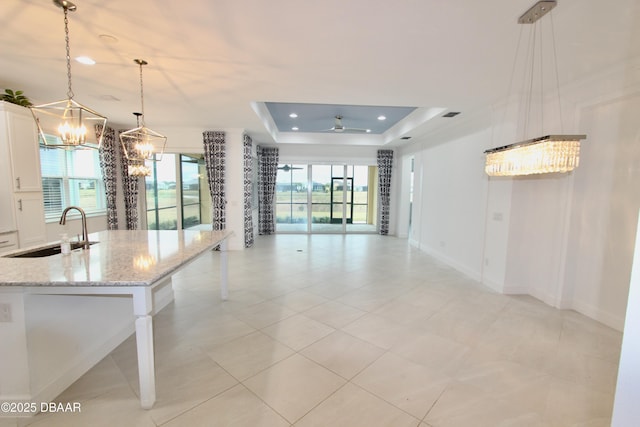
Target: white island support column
<point>142,309</point>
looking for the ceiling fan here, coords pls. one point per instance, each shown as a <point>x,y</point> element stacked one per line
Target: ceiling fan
<point>339,127</point>
<point>287,168</point>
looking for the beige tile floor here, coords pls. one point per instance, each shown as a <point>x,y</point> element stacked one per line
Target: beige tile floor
<point>360,330</point>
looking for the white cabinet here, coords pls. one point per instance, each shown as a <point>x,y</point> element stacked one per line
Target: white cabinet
<point>30,218</point>
<point>21,200</point>
<point>24,150</point>
<point>7,218</point>
<point>8,241</point>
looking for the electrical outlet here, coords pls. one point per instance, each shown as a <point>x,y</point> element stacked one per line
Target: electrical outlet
<point>5,312</point>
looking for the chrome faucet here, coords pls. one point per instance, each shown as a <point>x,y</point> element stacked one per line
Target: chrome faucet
<point>85,234</point>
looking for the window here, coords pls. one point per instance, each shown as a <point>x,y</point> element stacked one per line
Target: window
<point>291,197</point>
<point>190,175</point>
<point>162,206</point>
<point>325,198</point>
<point>71,178</point>
<point>176,193</point>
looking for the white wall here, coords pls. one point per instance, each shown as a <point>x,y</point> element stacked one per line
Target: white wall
<point>403,195</point>
<point>536,235</point>
<point>626,411</point>
<point>330,154</point>
<point>450,196</point>
<point>605,201</point>
<point>566,239</point>
<point>187,140</point>
<point>497,221</point>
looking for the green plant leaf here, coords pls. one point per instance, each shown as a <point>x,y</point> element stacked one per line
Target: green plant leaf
<point>16,97</point>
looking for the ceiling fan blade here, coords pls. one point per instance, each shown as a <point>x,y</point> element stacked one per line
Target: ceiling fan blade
<point>339,127</point>
<point>287,168</point>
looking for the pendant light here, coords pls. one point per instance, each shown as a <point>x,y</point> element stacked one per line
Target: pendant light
<point>67,123</point>
<point>138,167</point>
<point>141,143</point>
<point>544,154</point>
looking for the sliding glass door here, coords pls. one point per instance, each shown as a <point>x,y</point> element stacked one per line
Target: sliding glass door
<point>364,199</point>
<point>190,178</point>
<point>292,198</point>
<point>325,198</point>
<point>341,200</point>
<point>177,195</point>
<point>324,208</point>
<point>162,203</point>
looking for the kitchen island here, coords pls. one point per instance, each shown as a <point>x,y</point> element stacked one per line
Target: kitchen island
<point>61,314</point>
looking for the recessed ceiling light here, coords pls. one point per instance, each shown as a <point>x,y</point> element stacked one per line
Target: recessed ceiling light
<point>85,60</point>
<point>293,115</point>
<point>295,128</point>
<point>381,117</point>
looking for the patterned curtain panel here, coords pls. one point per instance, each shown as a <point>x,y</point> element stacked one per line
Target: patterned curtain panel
<point>130,185</point>
<point>267,173</point>
<point>385,164</point>
<point>214,160</point>
<point>108,164</point>
<point>248,176</point>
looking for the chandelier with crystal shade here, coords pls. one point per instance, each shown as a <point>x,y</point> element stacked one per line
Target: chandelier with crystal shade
<point>545,154</point>
<point>67,123</point>
<point>142,144</point>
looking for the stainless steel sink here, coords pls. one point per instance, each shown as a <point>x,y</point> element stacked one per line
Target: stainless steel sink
<point>45,251</point>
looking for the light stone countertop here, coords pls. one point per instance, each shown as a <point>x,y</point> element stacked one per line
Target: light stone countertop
<point>119,258</point>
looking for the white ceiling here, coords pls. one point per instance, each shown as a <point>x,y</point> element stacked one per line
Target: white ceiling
<point>214,63</point>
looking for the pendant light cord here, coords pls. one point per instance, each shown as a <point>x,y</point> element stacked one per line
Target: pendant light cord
<point>70,93</point>
<point>511,79</point>
<point>530,57</point>
<point>529,92</point>
<point>141,63</point>
<point>555,61</point>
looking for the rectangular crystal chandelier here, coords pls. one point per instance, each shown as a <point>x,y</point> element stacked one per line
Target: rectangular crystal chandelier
<point>547,154</point>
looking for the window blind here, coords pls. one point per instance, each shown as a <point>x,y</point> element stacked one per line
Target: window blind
<point>71,178</point>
